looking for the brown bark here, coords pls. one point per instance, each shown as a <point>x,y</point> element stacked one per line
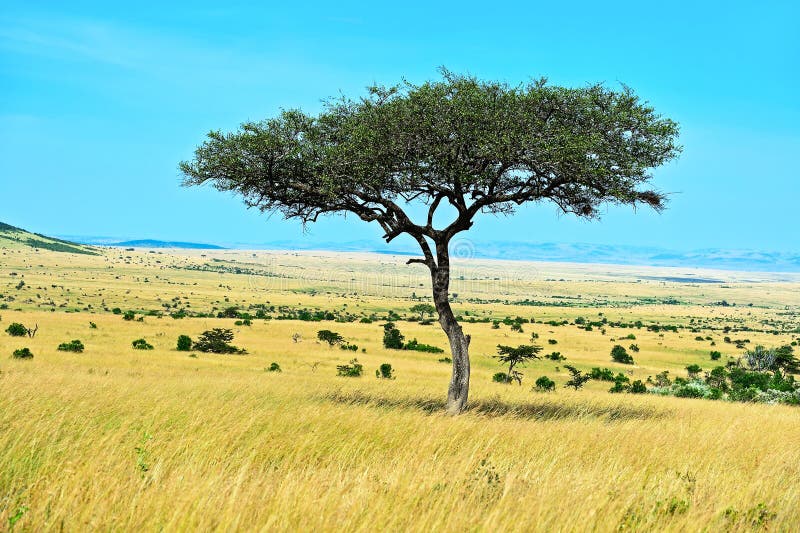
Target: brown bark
<point>458,391</point>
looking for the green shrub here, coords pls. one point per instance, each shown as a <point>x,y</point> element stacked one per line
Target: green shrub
<point>715,355</point>
<point>352,370</point>
<point>22,353</point>
<point>718,378</point>
<point>129,315</point>
<point>419,347</point>
<point>445,360</point>
<point>184,343</point>
<point>72,346</point>
<point>662,379</point>
<point>15,329</point>
<point>392,338</point>
<point>693,389</point>
<point>92,325</point>
<point>141,344</point>
<point>621,384</point>
<point>637,387</point>
<point>117,311</point>
<point>274,367</point>
<point>501,377</point>
<point>620,355</point>
<point>545,384</point>
<point>693,371</point>
<point>604,374</point>
<point>385,371</point>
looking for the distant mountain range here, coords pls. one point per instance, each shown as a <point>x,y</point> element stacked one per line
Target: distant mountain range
<point>150,243</point>
<point>747,260</point>
<point>715,258</point>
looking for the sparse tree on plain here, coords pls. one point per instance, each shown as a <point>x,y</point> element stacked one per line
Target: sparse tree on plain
<point>423,309</point>
<point>459,146</point>
<point>513,356</point>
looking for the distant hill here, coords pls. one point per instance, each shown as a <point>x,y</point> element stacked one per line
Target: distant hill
<point>150,243</point>
<point>13,237</point>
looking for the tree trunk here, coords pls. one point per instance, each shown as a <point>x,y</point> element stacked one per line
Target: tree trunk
<point>458,390</point>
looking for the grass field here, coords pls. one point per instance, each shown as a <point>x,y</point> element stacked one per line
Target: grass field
<point>121,439</point>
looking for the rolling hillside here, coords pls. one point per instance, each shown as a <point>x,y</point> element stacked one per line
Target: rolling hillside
<point>13,237</point>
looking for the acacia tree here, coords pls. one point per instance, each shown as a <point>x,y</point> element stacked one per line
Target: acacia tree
<point>423,309</point>
<point>457,145</point>
<point>517,356</point>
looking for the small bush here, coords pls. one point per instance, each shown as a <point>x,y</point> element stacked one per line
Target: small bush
<point>385,371</point>
<point>92,325</point>
<point>637,387</point>
<point>602,374</point>
<point>392,338</point>
<point>715,355</point>
<point>662,379</point>
<point>274,367</point>
<point>693,371</point>
<point>245,322</point>
<point>693,389</point>
<point>620,355</point>
<point>141,344</point>
<point>621,384</point>
<point>501,377</point>
<point>184,343</point>
<point>445,360</point>
<point>545,384</point>
<point>22,353</point>
<point>552,341</point>
<point>419,347</point>
<point>71,346</point>
<point>117,311</point>
<point>352,370</point>
<point>129,315</point>
<point>16,329</point>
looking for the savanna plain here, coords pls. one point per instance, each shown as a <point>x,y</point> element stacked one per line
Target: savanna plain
<point>118,438</point>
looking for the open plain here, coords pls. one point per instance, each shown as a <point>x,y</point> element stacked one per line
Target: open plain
<point>114,438</point>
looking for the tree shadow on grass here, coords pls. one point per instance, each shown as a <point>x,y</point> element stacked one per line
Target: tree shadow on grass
<point>495,407</point>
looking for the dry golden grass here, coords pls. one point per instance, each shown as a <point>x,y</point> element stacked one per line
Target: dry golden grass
<point>120,439</point>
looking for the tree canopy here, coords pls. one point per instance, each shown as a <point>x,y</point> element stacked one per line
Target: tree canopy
<point>479,146</point>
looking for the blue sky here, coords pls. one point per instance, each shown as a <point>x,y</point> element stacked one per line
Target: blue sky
<point>99,102</point>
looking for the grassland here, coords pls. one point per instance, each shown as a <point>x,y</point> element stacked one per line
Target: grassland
<point>120,439</point>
